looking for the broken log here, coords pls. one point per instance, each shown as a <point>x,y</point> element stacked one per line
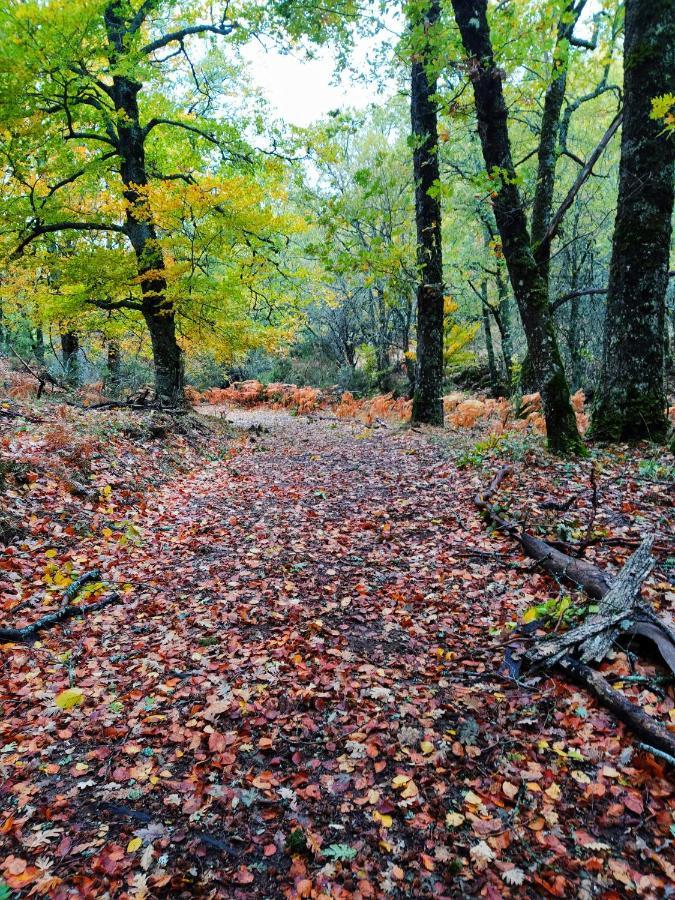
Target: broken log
<point>620,610</point>
<point>65,611</point>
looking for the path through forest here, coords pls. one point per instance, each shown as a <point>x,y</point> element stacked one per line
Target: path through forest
<point>302,695</point>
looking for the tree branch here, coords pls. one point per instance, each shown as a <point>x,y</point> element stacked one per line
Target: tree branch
<point>194,129</point>
<point>55,227</point>
<point>71,178</point>
<point>564,298</point>
<point>172,37</point>
<point>582,177</point>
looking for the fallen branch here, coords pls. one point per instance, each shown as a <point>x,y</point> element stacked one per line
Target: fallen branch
<point>583,574</point>
<point>620,611</point>
<point>65,611</point>
<point>642,724</point>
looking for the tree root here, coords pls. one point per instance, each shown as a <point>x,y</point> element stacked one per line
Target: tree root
<point>65,611</point>
<point>620,612</point>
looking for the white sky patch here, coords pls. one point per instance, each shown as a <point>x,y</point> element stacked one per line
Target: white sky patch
<point>303,90</point>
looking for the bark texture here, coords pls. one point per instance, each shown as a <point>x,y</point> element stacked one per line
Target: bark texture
<point>428,396</point>
<point>70,350</point>
<point>529,284</point>
<point>156,308</point>
<point>620,611</point>
<point>631,400</point>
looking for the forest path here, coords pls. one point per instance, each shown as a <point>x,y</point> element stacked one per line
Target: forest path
<point>300,694</point>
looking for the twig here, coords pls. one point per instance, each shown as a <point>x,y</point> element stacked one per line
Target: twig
<point>658,753</point>
<point>65,611</point>
<point>594,511</point>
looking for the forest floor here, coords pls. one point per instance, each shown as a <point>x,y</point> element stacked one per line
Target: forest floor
<point>302,691</point>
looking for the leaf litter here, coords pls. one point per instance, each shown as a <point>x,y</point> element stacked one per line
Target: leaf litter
<point>303,692</point>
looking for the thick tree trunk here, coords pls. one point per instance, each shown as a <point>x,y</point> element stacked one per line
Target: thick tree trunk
<point>428,396</point>
<point>157,309</point>
<point>70,350</point>
<point>631,400</point>
<point>529,287</point>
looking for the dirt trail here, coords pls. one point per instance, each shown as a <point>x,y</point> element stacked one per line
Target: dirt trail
<point>300,697</point>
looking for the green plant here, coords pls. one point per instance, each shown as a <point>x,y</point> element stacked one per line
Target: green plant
<point>561,610</point>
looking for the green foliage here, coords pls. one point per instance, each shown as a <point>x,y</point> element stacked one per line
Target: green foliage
<point>339,851</point>
<point>558,610</point>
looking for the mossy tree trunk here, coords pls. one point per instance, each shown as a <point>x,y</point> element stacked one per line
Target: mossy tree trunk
<point>38,343</point>
<point>529,284</point>
<point>114,368</point>
<point>428,396</point>
<point>631,400</point>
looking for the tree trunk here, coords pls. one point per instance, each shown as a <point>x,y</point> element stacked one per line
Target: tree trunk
<point>157,309</point>
<point>574,342</point>
<point>383,375</point>
<point>631,400</point>
<point>505,327</point>
<point>495,386</point>
<point>70,349</point>
<point>3,330</point>
<point>530,288</point>
<point>428,396</point>
<point>547,155</point>
<point>38,342</point>
<point>114,368</point>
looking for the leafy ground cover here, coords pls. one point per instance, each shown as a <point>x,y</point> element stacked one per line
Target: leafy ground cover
<point>305,689</point>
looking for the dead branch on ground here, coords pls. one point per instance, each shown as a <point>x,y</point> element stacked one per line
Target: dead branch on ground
<point>621,612</point>
<point>65,611</point>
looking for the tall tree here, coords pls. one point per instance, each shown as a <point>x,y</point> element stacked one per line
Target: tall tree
<point>428,396</point>
<point>528,276</point>
<point>123,139</point>
<point>631,400</point>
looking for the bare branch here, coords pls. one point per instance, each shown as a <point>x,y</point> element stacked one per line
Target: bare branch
<point>582,177</point>
<point>56,227</point>
<point>75,175</point>
<point>572,295</point>
<point>223,30</point>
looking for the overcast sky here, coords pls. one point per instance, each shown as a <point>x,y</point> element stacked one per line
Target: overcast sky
<point>302,90</point>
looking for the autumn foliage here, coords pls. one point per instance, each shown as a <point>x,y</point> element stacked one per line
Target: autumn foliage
<point>461,411</point>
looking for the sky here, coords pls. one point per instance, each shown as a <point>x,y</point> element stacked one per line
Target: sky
<point>302,90</point>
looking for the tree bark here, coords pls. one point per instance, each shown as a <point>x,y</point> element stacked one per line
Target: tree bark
<point>631,399</point>
<point>505,327</point>
<point>547,155</point>
<point>157,309</point>
<point>70,349</point>
<point>38,341</point>
<point>495,386</point>
<point>529,286</point>
<point>114,367</point>
<point>428,396</point>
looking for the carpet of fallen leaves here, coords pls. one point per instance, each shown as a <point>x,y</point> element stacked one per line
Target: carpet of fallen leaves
<point>302,692</point>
